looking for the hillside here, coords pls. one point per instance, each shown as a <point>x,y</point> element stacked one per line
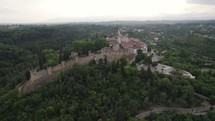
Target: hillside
<point>107,91</point>
<point>13,63</point>
<point>81,82</point>
<point>194,43</point>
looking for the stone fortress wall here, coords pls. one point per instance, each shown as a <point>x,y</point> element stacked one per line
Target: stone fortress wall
<point>108,52</point>
<point>36,75</point>
<point>42,77</point>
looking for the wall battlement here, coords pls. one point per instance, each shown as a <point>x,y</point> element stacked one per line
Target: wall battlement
<point>36,75</point>
<point>108,52</point>
<point>42,77</point>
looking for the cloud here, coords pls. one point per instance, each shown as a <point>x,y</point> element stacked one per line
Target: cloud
<point>207,2</point>
<point>7,11</point>
<point>100,10</point>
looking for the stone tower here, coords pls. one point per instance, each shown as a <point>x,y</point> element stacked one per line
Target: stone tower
<point>33,74</point>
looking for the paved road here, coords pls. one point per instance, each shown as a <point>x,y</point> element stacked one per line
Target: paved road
<point>194,111</point>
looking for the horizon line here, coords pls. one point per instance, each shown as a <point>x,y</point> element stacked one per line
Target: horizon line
<point>104,21</point>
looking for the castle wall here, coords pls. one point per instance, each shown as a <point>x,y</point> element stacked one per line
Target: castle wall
<point>57,68</point>
<point>111,55</point>
<point>63,64</point>
<point>36,75</point>
<point>49,70</point>
<point>69,63</point>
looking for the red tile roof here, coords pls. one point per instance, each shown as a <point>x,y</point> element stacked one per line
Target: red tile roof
<point>133,43</point>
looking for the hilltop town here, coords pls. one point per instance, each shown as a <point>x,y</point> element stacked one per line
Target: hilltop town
<point>119,46</point>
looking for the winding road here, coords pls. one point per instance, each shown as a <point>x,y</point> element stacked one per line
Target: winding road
<point>193,111</point>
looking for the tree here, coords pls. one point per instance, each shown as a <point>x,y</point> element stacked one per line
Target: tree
<point>163,97</point>
<point>122,62</point>
<point>27,75</point>
<point>42,60</point>
<point>92,62</point>
<point>148,60</point>
<point>149,49</point>
<point>149,75</point>
<point>105,60</point>
<point>139,51</point>
<point>60,56</point>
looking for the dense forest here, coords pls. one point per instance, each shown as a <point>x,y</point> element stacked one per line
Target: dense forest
<point>194,54</point>
<point>38,38</point>
<point>107,91</point>
<point>102,91</point>
<point>24,47</point>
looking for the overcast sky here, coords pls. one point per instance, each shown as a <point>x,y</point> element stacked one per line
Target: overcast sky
<point>33,11</point>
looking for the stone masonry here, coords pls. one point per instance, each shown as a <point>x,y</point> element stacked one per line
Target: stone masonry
<point>42,77</point>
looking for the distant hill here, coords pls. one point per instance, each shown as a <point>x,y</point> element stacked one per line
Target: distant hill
<point>196,44</point>
<point>145,22</point>
<point>156,22</point>
<point>116,22</point>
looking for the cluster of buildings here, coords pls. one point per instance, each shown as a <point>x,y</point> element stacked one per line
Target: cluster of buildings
<point>132,44</point>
